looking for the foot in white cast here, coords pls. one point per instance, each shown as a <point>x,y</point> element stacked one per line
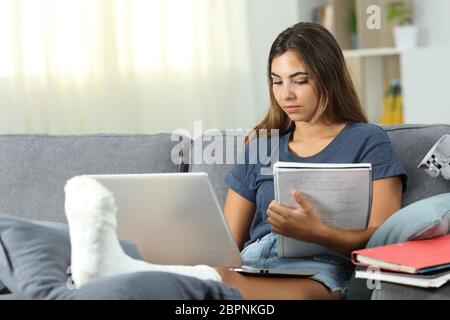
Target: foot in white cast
<point>91,213</point>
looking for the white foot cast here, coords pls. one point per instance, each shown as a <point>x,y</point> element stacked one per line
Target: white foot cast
<point>91,214</point>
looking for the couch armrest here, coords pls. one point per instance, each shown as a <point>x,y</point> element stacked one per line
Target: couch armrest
<point>390,291</point>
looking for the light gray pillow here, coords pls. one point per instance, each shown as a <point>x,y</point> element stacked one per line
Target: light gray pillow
<point>35,256</point>
<point>424,219</point>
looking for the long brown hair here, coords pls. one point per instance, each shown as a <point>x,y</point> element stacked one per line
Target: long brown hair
<point>323,57</point>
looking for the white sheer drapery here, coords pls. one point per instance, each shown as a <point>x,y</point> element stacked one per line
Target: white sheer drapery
<point>84,66</point>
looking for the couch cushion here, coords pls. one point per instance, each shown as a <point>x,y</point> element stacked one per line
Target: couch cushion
<point>215,153</point>
<point>34,260</point>
<point>34,168</point>
<point>412,143</point>
<point>390,291</point>
<point>35,255</point>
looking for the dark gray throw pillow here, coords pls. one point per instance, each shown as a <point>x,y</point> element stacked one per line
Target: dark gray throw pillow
<point>35,260</point>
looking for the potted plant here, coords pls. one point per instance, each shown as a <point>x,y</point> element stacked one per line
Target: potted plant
<point>405,32</point>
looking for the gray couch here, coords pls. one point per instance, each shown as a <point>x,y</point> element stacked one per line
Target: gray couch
<point>34,169</point>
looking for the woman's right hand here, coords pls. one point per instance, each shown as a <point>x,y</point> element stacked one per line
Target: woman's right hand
<point>303,223</point>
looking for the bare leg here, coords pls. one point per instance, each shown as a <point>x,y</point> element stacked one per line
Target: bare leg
<point>91,213</point>
<point>273,288</point>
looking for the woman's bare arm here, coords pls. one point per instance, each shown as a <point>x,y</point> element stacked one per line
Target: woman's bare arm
<point>239,213</point>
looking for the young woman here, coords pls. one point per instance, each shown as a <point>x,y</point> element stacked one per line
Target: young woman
<point>314,105</point>
<point>315,108</point>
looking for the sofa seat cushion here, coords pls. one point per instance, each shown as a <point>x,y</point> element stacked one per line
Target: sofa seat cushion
<point>35,260</point>
<point>390,291</point>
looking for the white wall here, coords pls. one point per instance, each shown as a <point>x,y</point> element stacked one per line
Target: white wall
<point>425,85</point>
<point>432,16</point>
<point>266,19</point>
<point>425,70</point>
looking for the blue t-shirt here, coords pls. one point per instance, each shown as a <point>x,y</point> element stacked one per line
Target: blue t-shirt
<point>357,143</point>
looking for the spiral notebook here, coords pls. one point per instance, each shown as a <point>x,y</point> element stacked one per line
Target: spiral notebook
<point>342,194</point>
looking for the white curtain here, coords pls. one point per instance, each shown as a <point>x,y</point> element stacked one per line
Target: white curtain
<point>139,66</point>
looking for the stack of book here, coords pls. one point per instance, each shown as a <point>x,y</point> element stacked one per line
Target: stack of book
<point>421,263</point>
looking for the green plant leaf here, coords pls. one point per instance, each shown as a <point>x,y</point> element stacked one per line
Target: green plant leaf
<point>400,12</point>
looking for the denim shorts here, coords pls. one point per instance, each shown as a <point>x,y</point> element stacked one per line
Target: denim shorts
<point>334,272</point>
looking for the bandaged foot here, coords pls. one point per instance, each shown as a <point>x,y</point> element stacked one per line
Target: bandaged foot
<point>91,213</point>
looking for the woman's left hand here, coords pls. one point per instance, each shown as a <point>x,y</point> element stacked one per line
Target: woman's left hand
<point>302,223</point>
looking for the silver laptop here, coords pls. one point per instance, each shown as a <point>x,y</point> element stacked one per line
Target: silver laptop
<point>175,218</point>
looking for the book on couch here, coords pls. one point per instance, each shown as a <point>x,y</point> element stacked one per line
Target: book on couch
<point>431,280</point>
<point>341,193</point>
<point>413,257</point>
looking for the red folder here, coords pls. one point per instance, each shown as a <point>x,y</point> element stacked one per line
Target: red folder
<point>418,256</point>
